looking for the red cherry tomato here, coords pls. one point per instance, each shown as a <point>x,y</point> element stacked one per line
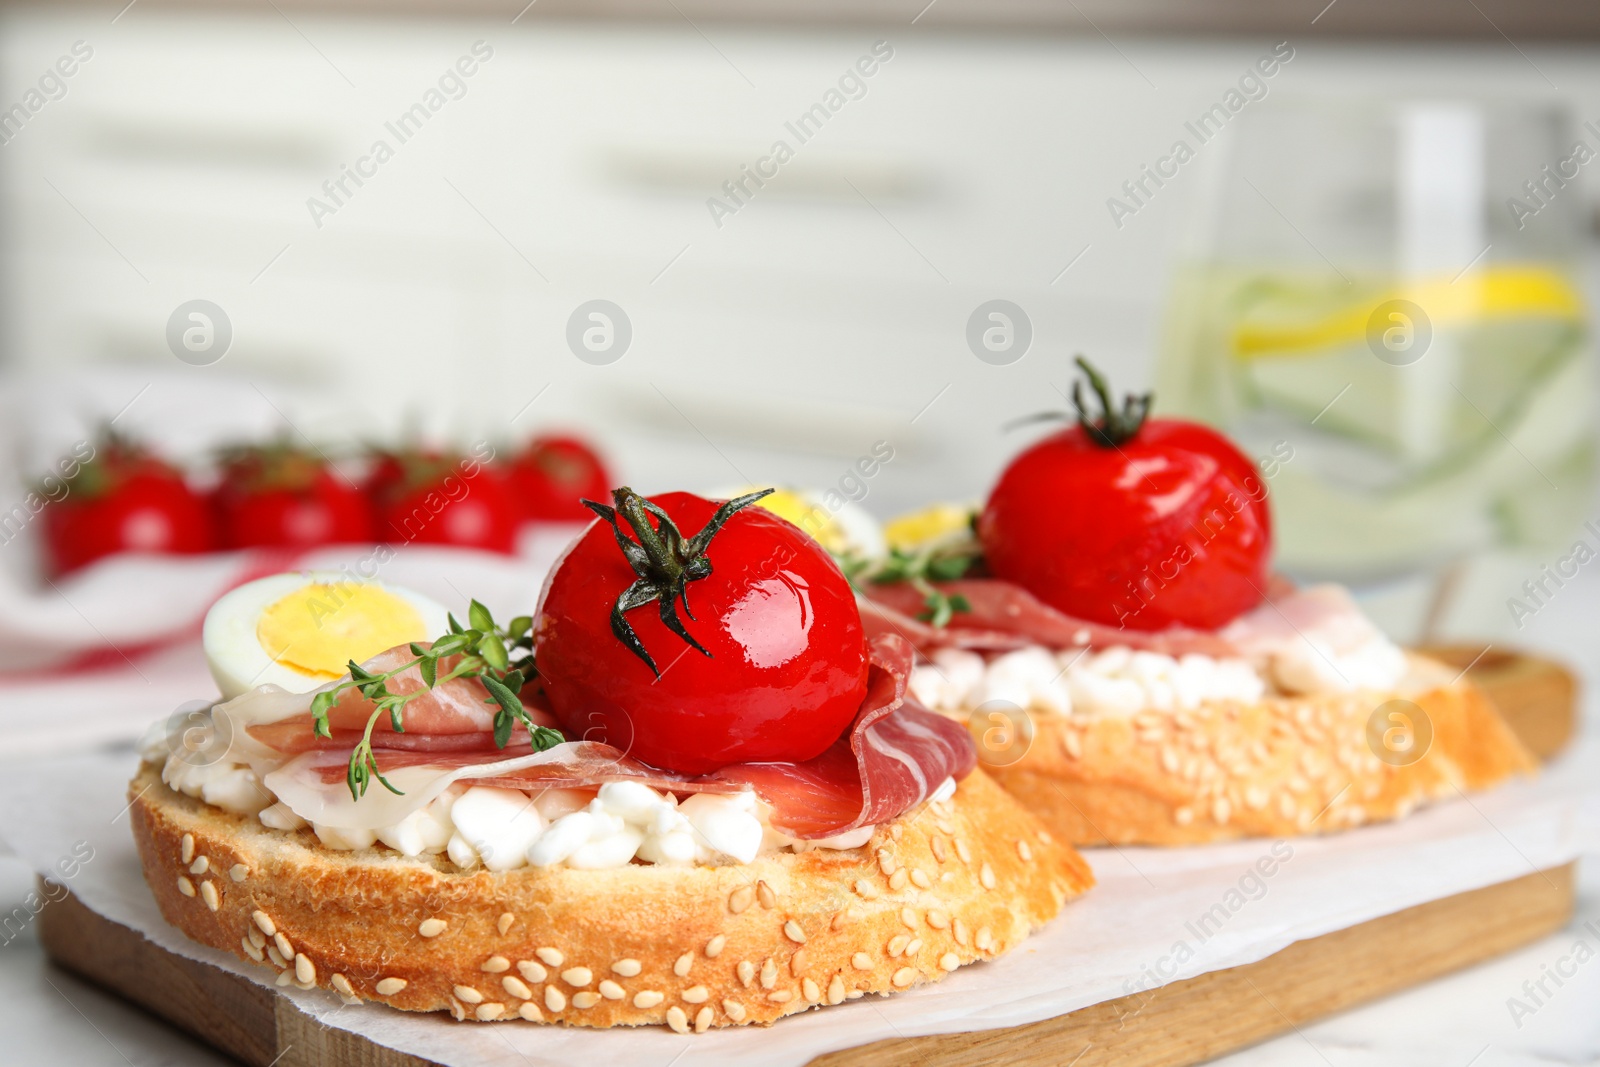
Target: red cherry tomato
<point>787,669</point>
<point>125,500</point>
<point>1168,526</point>
<point>281,495</point>
<point>552,473</point>
<point>444,499</point>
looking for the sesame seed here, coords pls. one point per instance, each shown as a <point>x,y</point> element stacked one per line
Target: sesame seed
<point>284,979</point>
<point>895,830</point>
<point>856,994</point>
<point>341,984</point>
<point>504,923</point>
<point>432,927</point>
<point>962,851</point>
<point>467,995</point>
<point>1152,736</point>
<point>697,994</point>
<point>628,967</point>
<point>811,991</point>
<point>577,976</point>
<point>944,824</point>
<point>610,990</point>
<point>734,1010</point>
<point>886,862</point>
<point>1255,798</point>
<point>702,1020</point>
<point>797,962</point>
<point>554,999</point>
<point>201,865</point>
<point>940,853</point>
<point>551,956</point>
<point>769,973</point>
<point>264,923</point>
<point>677,1020</point>
<point>208,893</point>
<point>838,921</point>
<point>495,964</point>
<point>1071,744</point>
<point>1221,810</point>
<point>185,886</point>
<point>238,872</point>
<point>530,1011</point>
<point>959,928</point>
<point>897,880</point>
<point>684,962</point>
<point>861,961</point>
<point>836,990</point>
<point>388,987</point>
<point>897,944</point>
<point>765,894</point>
<point>257,938</point>
<point>949,961</point>
<point>939,920</point>
<point>488,1013</point>
<point>714,946</point>
<point>276,957</point>
<point>984,939</point>
<point>904,977</point>
<point>741,898</point>
<point>1169,760</point>
<point>1183,816</point>
<point>532,971</point>
<point>914,947</point>
<point>908,918</point>
<point>792,931</point>
<point>516,987</point>
<point>919,878</point>
<point>986,876</point>
<point>647,998</point>
<point>283,945</point>
<point>782,996</point>
<point>186,845</point>
<point>587,999</point>
<point>866,890</point>
<point>304,969</point>
<point>1024,851</point>
<point>253,951</point>
<point>747,973</point>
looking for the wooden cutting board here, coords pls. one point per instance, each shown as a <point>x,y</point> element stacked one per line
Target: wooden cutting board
<point>1181,1023</point>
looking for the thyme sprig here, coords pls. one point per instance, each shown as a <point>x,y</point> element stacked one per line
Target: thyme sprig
<point>499,657</point>
<point>940,560</point>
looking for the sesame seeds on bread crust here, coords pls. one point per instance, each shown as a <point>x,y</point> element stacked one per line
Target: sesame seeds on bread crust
<point>1283,766</point>
<point>950,883</point>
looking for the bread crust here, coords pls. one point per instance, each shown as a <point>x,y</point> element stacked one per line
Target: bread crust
<point>945,885</point>
<point>1284,766</point>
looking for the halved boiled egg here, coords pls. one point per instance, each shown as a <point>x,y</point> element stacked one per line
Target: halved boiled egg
<point>932,525</point>
<point>301,630</point>
<point>838,524</point>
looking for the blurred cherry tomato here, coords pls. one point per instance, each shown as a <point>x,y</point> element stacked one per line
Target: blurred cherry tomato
<point>444,498</point>
<point>124,499</point>
<point>278,494</point>
<point>552,473</point>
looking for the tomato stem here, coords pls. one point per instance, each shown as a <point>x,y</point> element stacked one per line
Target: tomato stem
<point>664,562</point>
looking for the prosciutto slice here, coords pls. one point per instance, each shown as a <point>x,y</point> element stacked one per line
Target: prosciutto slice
<point>1005,616</point>
<point>892,758</point>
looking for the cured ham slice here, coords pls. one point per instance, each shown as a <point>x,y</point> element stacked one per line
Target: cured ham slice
<point>455,717</point>
<point>1003,615</point>
<point>893,757</point>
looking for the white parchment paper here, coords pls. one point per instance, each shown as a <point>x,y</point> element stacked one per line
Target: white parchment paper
<point>1208,907</point>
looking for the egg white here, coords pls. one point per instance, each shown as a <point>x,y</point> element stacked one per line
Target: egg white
<point>234,653</point>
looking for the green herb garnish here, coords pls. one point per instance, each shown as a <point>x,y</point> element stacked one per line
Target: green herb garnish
<point>500,658</point>
<point>942,560</point>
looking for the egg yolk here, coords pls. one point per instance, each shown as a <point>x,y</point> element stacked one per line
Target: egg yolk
<point>319,628</point>
<point>932,523</point>
<point>812,518</point>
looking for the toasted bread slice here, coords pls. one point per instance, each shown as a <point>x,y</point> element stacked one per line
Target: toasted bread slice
<point>947,884</point>
<point>1284,766</point>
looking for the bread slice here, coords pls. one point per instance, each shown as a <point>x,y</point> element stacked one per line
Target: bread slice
<point>947,884</point>
<point>1282,767</point>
